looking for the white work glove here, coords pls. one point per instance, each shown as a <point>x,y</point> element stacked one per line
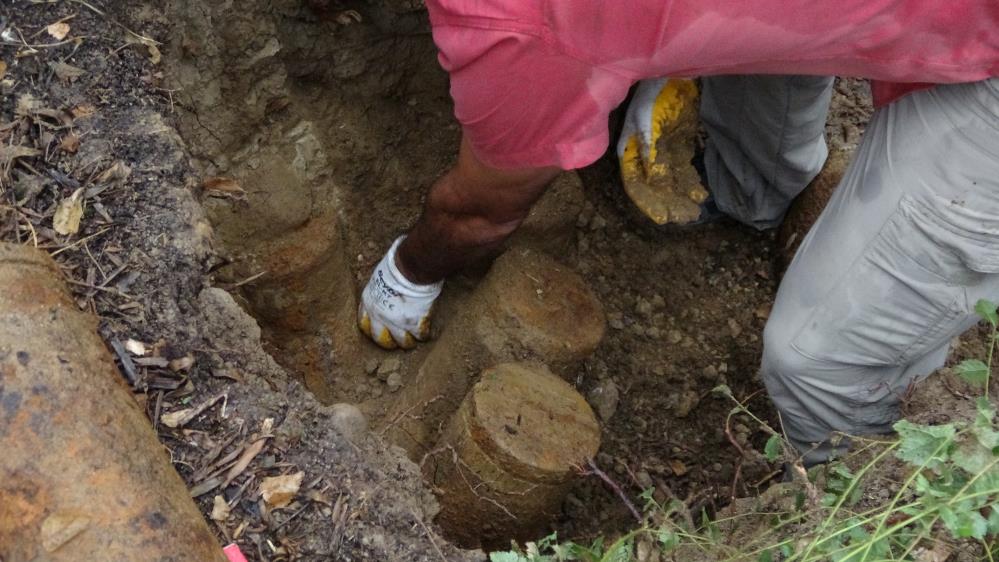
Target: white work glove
<point>665,187</point>
<point>394,311</point>
<point>638,122</point>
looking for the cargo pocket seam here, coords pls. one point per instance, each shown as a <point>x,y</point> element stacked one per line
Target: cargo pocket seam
<point>890,241</point>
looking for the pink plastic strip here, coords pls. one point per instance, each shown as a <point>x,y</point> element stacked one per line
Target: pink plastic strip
<point>233,553</point>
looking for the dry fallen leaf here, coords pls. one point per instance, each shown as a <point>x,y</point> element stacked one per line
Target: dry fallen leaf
<point>9,153</point>
<point>66,72</point>
<point>220,509</point>
<point>27,105</point>
<point>59,30</point>
<point>175,419</point>
<point>68,214</point>
<point>939,553</point>
<point>3,69</point>
<point>60,528</point>
<point>182,417</point>
<point>280,490</point>
<point>244,459</point>
<point>154,52</point>
<point>135,347</point>
<point>182,364</point>
<point>223,187</point>
<point>82,111</point>
<point>70,143</point>
<point>348,17</point>
<point>678,467</point>
<point>118,171</point>
<point>59,116</point>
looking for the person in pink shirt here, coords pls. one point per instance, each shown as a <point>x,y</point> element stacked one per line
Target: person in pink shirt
<point>890,272</point>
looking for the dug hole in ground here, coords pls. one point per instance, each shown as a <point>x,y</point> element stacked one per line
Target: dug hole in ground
<point>241,167</point>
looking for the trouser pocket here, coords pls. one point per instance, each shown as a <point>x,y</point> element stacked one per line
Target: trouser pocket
<point>900,299</point>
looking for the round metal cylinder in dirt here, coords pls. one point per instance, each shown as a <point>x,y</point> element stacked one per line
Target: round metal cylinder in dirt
<point>528,307</point>
<point>82,474</point>
<point>305,276</point>
<point>509,455</point>
<point>305,299</point>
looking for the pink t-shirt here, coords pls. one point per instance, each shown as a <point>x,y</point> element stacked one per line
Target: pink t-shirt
<point>534,80</point>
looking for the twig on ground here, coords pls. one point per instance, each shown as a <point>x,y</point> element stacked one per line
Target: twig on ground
<point>80,241</point>
<point>593,469</point>
<point>430,535</point>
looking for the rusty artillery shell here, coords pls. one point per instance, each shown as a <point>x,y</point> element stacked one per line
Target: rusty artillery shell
<point>82,474</point>
<point>529,307</point>
<point>306,298</point>
<point>509,455</point>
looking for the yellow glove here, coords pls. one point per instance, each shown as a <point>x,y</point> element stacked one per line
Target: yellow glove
<point>663,184</point>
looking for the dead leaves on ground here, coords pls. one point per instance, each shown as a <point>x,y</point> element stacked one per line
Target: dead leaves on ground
<point>278,491</point>
<point>181,418</point>
<point>66,72</point>
<point>68,214</point>
<point>220,509</point>
<point>70,143</point>
<point>152,47</point>
<point>58,30</point>
<point>10,153</point>
<point>223,187</point>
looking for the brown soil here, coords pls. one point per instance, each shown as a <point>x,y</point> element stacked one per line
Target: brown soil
<point>276,150</point>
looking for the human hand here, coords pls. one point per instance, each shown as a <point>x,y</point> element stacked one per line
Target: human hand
<point>395,312</point>
<point>665,186</point>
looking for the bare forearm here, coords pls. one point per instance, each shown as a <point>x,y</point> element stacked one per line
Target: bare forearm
<point>469,213</point>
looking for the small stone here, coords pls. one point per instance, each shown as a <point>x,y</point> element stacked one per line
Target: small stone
<point>615,320</point>
<point>597,222</point>
<point>734,327</point>
<point>388,367</point>
<point>741,428</point>
<point>643,307</point>
<point>658,301</point>
<point>348,420</point>
<point>370,366</point>
<point>645,551</point>
<point>604,398</point>
<point>686,402</point>
<point>723,367</point>
<point>653,333</point>
<point>394,382</point>
<point>674,337</point>
<point>710,373</point>
<point>643,479</point>
<point>763,311</point>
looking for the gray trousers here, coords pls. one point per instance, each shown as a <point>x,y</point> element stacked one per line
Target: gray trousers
<point>891,271</point>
